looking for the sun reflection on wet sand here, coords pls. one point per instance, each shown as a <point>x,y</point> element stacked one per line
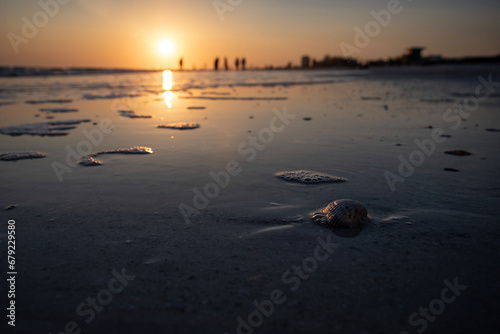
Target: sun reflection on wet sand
<point>168,96</point>
<point>167,85</point>
<point>167,80</point>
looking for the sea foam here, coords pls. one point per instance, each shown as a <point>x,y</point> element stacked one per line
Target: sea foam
<point>12,156</point>
<point>54,128</point>
<point>89,159</point>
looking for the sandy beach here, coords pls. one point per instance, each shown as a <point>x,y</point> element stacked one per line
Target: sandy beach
<point>200,236</point>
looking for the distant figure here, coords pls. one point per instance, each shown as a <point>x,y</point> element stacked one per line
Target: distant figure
<point>216,64</point>
<point>180,63</point>
<point>243,63</point>
<point>237,63</point>
<point>225,63</point>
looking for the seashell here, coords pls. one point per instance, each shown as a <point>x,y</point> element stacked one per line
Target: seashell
<point>343,213</point>
<point>308,177</point>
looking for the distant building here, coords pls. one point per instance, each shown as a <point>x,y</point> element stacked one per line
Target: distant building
<point>433,59</point>
<point>336,61</point>
<point>306,62</point>
<point>413,55</point>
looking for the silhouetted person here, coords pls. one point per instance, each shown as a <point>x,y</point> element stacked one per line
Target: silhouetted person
<point>180,63</point>
<point>243,63</point>
<point>237,63</point>
<point>216,64</point>
<point>225,63</point>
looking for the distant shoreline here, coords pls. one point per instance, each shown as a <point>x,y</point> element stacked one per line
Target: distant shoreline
<point>30,71</point>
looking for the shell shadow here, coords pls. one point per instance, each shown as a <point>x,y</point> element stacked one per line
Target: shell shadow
<point>347,232</point>
<point>343,231</point>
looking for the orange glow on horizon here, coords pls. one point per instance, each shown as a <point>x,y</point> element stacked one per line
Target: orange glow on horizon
<point>155,35</point>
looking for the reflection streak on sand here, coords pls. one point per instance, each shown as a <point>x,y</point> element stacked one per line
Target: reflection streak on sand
<point>271,229</point>
<point>167,85</point>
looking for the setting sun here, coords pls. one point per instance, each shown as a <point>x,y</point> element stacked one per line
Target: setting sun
<point>165,47</point>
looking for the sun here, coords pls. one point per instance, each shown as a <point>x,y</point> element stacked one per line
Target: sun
<point>165,47</point>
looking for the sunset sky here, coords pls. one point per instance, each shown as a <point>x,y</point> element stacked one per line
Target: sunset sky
<point>128,33</point>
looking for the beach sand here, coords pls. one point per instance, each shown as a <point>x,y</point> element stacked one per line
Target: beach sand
<point>200,273</point>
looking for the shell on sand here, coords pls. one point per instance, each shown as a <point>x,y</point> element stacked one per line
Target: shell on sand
<point>345,213</point>
<point>309,177</point>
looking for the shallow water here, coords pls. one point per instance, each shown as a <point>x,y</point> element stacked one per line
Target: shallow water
<point>350,124</point>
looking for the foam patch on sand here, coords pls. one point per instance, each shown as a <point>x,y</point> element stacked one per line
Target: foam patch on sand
<point>107,97</point>
<point>55,128</point>
<point>460,153</point>
<point>308,177</point>
<point>132,114</point>
<point>12,156</point>
<point>58,110</point>
<point>89,159</point>
<point>180,126</point>
<point>230,98</point>
<point>216,93</point>
<point>48,101</point>
<point>437,100</point>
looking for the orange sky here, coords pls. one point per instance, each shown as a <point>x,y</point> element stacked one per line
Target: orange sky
<point>126,33</point>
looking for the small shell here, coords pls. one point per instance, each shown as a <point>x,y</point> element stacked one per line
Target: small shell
<point>345,213</point>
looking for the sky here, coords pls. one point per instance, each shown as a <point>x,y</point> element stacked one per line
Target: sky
<point>127,33</point>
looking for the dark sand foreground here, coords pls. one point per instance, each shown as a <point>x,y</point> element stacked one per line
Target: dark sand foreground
<point>200,279</point>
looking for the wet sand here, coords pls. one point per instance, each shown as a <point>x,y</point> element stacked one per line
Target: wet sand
<point>199,273</point>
